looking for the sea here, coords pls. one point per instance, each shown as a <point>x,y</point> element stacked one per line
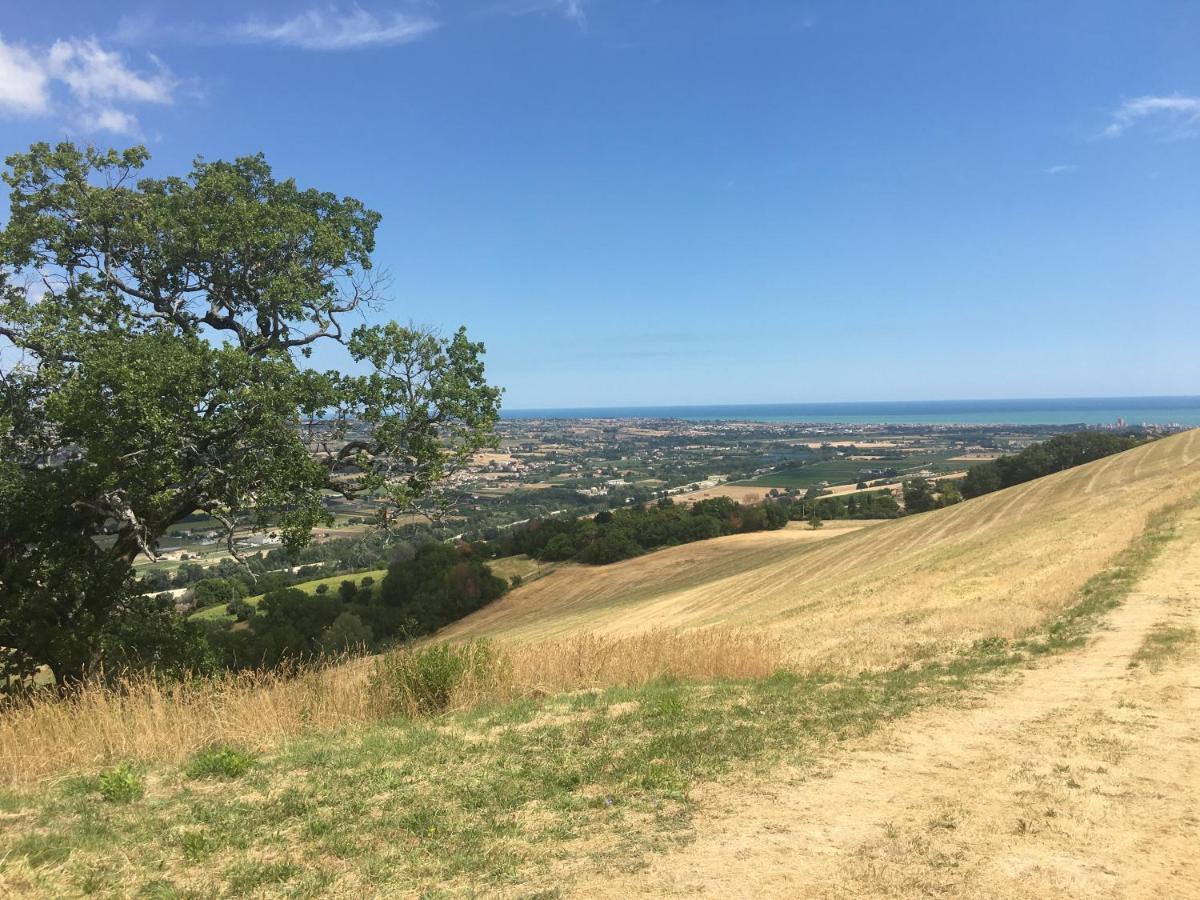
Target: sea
<point>1166,411</point>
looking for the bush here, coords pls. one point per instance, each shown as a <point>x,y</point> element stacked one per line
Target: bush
<point>120,785</point>
<point>219,762</point>
<point>322,588</point>
<point>216,591</point>
<point>346,633</point>
<point>434,678</point>
<point>240,610</point>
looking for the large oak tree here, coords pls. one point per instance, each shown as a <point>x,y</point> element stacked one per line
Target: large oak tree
<point>154,338</point>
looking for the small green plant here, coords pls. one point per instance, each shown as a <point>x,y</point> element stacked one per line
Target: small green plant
<point>219,762</point>
<point>120,785</point>
<point>428,680</point>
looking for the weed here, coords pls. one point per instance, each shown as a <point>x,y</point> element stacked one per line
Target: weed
<point>219,762</point>
<point>120,785</point>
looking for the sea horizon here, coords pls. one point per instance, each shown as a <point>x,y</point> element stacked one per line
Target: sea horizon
<point>1150,410</point>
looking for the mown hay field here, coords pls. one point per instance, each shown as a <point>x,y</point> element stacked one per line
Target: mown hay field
<point>874,597</point>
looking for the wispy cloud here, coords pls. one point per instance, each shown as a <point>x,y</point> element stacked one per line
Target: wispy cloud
<point>334,28</point>
<point>1178,116</point>
<point>79,79</point>
<point>572,10</point>
<point>1062,169</point>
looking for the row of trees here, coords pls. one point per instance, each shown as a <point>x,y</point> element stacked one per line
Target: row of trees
<point>1063,451</point>
<point>621,534</point>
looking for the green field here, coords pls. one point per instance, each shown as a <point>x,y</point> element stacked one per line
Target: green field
<point>845,471</point>
<point>309,587</point>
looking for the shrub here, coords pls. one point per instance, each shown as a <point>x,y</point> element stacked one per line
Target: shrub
<point>219,762</point>
<point>322,588</point>
<point>240,610</point>
<point>346,633</point>
<point>120,785</point>
<point>431,679</point>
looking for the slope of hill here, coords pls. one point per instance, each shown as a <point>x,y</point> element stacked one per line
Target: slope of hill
<point>880,596</point>
<point>1059,765</point>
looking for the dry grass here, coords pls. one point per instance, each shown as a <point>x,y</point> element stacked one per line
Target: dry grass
<point>883,596</point>
<point>149,721</point>
<point>591,660</point>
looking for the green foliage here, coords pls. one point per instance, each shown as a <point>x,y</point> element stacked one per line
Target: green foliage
<point>240,610</point>
<point>162,371</point>
<point>1063,451</point>
<point>425,681</point>
<point>624,533</point>
<point>219,762</point>
<point>120,785</point>
<point>218,591</point>
<point>145,634</point>
<point>918,495</point>
<point>439,585</point>
<point>348,632</point>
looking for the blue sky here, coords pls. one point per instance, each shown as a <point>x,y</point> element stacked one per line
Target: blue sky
<point>635,202</point>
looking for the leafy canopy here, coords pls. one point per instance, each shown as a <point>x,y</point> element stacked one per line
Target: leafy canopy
<point>154,339</point>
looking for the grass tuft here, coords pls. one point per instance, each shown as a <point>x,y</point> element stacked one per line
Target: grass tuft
<point>1163,643</point>
<point>432,679</point>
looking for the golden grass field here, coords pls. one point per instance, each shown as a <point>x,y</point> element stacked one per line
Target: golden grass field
<point>878,596</point>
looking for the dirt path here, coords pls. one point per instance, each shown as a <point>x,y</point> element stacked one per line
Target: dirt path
<point>1082,779</point>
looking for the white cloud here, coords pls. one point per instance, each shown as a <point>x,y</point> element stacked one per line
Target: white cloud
<point>334,29</point>
<point>571,9</point>
<point>81,80</point>
<point>109,119</point>
<point>1062,169</point>
<point>96,75</point>
<point>22,81</point>
<point>1179,115</point>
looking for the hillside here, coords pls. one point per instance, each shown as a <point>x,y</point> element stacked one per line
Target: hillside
<point>878,596</point>
<point>588,752</point>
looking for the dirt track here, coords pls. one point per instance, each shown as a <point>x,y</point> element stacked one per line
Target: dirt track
<point>1079,779</point>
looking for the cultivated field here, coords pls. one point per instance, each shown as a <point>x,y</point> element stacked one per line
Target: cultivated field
<point>879,596</point>
<point>742,493</point>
